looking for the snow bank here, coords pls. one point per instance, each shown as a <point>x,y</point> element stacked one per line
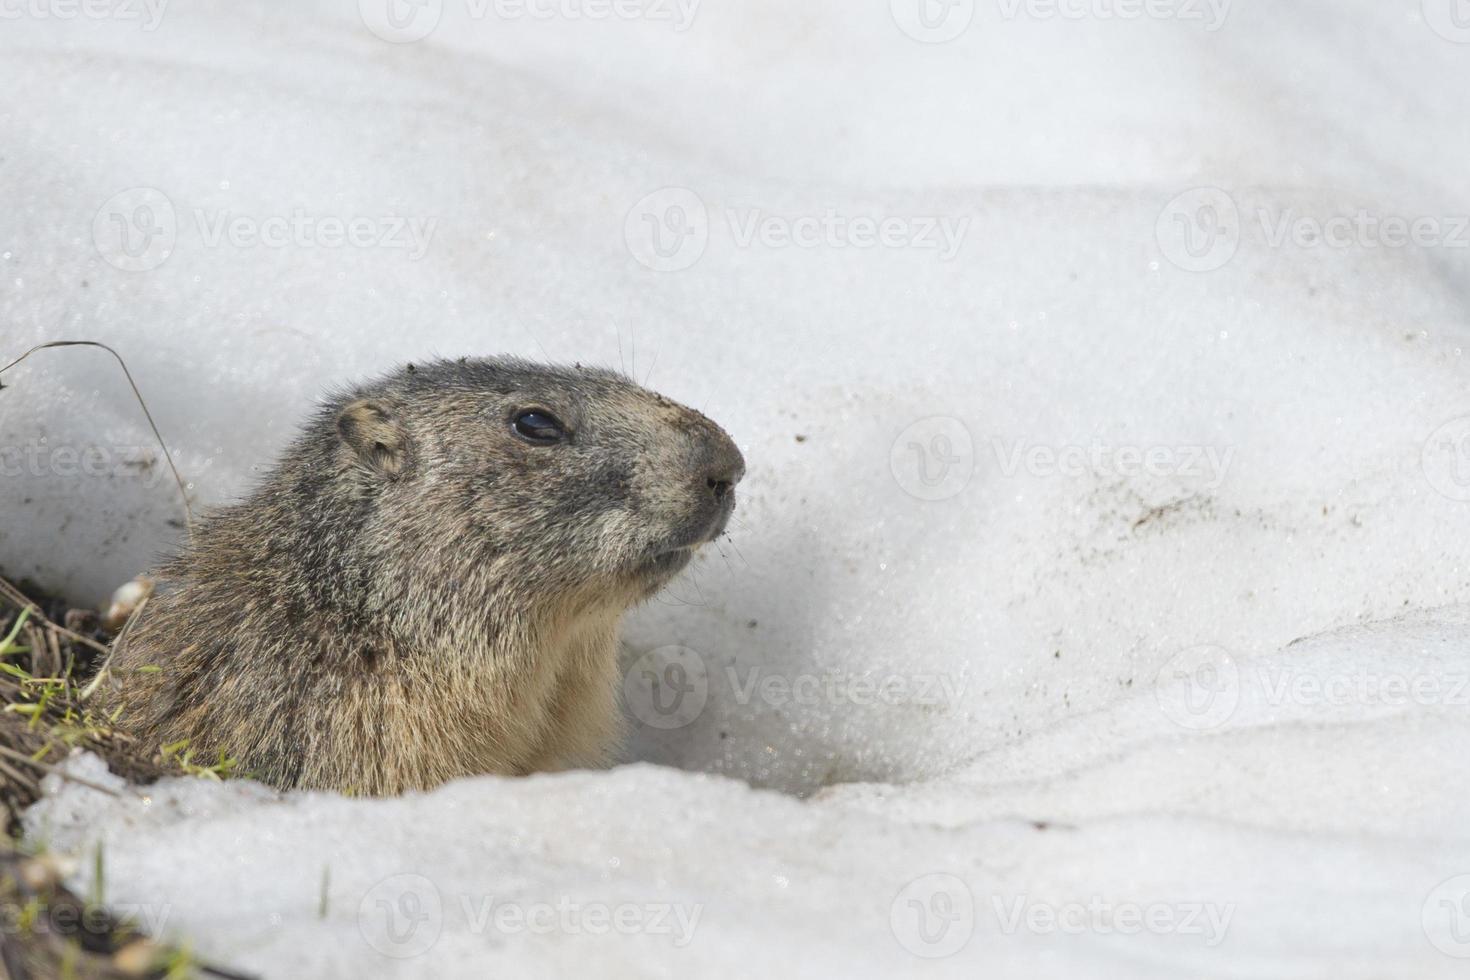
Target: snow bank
<point>1067,353</point>
<point>1297,823</point>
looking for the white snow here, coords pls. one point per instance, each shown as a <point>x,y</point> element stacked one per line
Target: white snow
<point>1061,510</point>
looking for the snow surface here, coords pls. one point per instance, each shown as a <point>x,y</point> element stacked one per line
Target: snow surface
<point>963,637</point>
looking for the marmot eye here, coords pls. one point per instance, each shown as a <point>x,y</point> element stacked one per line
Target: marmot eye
<point>541,428</point>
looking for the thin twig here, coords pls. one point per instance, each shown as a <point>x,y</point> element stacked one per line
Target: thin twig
<point>18,777</point>
<point>179,480</point>
<point>19,598</point>
<point>117,643</point>
<point>56,770</point>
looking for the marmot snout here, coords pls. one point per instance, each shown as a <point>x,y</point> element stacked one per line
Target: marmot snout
<point>429,583</point>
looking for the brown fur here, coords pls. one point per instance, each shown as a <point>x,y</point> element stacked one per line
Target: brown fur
<point>416,593</point>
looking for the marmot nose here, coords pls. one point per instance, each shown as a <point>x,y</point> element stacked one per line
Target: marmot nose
<point>721,465</point>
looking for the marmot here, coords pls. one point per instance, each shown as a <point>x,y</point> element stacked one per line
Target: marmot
<point>429,583</point>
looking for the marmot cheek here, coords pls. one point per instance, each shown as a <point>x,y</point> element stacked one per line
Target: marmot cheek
<point>620,536</point>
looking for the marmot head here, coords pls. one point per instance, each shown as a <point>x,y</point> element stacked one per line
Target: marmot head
<point>429,582</point>
<point>482,476</point>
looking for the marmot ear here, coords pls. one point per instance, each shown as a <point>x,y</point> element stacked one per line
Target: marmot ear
<point>373,432</point>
